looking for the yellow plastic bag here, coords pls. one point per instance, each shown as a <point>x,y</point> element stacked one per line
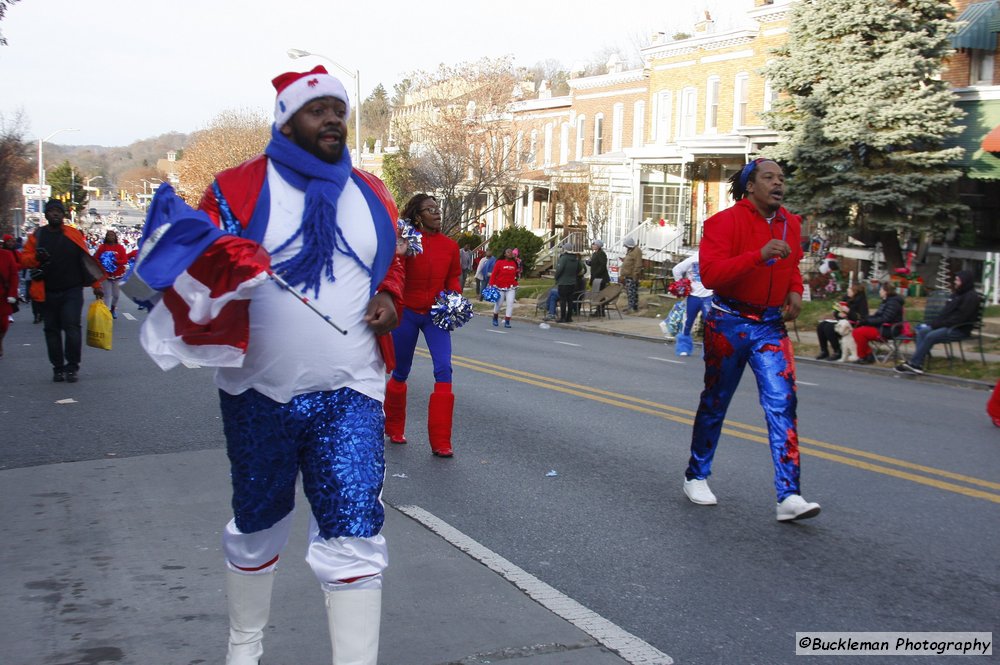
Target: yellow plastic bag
<point>99,324</point>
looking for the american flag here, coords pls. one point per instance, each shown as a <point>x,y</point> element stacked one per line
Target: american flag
<point>196,279</point>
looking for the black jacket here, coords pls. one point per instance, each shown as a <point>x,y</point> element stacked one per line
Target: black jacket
<point>889,312</point>
<point>962,308</point>
<point>857,308</point>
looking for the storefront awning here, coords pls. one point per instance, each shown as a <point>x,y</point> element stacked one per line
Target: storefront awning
<point>992,141</point>
<point>977,29</point>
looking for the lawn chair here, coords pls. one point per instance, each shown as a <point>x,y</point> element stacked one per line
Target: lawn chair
<point>607,298</point>
<point>584,302</point>
<point>977,333</point>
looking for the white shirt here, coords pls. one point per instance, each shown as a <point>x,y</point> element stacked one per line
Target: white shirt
<point>689,267</point>
<point>291,349</point>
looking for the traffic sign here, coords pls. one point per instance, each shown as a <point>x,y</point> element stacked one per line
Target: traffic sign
<point>31,191</point>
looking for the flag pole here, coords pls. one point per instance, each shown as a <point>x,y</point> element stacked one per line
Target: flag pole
<point>304,300</point>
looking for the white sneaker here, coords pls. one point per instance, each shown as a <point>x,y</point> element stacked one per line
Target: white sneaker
<point>698,492</point>
<point>794,507</point>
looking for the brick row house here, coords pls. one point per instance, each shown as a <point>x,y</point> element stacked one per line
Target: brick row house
<point>646,153</point>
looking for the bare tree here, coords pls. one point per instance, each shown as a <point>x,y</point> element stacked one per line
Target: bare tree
<point>16,167</point>
<point>4,4</point>
<point>233,137</point>
<point>462,148</point>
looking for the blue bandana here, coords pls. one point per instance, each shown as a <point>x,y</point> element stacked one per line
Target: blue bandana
<point>323,183</point>
<point>747,170</point>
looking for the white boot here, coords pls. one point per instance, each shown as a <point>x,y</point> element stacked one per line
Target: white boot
<point>249,607</point>
<point>354,616</point>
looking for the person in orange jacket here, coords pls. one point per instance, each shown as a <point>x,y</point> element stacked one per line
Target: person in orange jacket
<point>61,260</point>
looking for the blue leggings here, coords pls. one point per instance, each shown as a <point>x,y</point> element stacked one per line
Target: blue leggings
<point>404,339</point>
<point>732,342</point>
<point>695,305</point>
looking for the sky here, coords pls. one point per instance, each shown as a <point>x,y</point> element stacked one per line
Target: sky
<point>120,71</point>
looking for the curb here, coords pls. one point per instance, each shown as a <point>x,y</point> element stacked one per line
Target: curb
<point>971,384</point>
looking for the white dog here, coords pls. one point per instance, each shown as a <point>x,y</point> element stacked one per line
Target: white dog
<point>848,347</point>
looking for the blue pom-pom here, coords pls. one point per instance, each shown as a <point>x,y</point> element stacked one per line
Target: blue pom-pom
<point>491,294</point>
<point>451,310</point>
<point>129,269</point>
<point>413,237</point>
<point>109,261</point>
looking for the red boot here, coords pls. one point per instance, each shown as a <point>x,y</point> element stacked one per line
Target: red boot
<point>439,410</point>
<point>395,410</point>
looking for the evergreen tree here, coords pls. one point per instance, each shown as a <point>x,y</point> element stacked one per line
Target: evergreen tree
<point>865,121</point>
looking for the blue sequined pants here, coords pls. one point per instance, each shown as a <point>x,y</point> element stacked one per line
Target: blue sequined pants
<point>732,342</point>
<point>334,438</point>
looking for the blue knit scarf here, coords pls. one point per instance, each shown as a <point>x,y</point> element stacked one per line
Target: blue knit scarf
<point>323,183</point>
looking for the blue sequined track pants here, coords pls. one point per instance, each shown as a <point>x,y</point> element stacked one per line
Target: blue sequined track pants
<point>732,342</point>
<point>333,438</point>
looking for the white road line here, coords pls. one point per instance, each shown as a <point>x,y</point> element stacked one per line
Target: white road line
<point>499,332</point>
<point>612,636</point>
<point>805,383</point>
<point>666,360</point>
<point>129,316</point>
<point>567,343</point>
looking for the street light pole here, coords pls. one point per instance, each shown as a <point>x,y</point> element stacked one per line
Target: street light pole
<point>41,169</point>
<point>294,53</point>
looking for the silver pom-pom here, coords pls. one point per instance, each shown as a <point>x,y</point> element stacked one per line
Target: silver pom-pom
<point>411,236</point>
<point>451,310</point>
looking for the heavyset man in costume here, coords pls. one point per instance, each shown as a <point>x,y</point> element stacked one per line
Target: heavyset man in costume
<point>749,256</point>
<point>296,396</point>
<point>437,268</point>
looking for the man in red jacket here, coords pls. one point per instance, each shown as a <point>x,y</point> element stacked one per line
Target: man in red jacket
<point>750,257</point>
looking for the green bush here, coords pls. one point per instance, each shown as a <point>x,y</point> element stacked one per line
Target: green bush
<point>526,242</point>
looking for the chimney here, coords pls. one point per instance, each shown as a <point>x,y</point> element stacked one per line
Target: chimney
<point>705,25</point>
<point>615,65</point>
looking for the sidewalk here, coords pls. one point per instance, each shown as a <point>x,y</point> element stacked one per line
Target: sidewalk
<point>119,561</point>
<point>648,329</point>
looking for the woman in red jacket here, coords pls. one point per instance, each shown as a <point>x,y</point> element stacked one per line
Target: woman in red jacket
<point>8,290</point>
<point>113,258</point>
<point>434,270</point>
<point>504,277</point>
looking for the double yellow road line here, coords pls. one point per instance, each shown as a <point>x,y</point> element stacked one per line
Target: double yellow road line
<point>861,459</point>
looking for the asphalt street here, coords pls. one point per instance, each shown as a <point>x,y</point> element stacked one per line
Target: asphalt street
<point>570,451</point>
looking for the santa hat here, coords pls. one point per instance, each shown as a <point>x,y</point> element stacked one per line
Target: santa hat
<point>296,89</point>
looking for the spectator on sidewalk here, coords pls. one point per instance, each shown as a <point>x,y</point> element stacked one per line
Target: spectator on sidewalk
<point>598,263</point>
<point>569,268</point>
<point>630,272</point>
<point>483,271</point>
<point>854,311</point>
<point>879,324</point>
<point>465,261</point>
<point>954,323</point>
